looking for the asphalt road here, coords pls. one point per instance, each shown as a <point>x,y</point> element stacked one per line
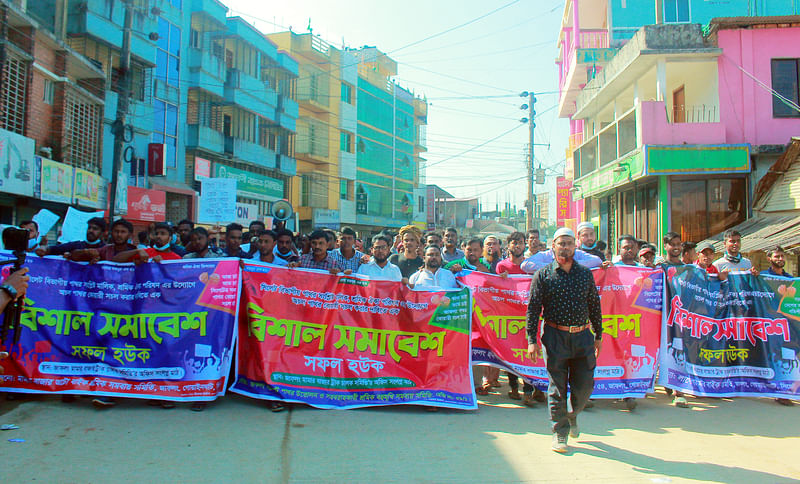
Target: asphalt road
<point>239,440</point>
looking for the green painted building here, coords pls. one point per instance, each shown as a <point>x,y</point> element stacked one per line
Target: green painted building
<point>388,146</point>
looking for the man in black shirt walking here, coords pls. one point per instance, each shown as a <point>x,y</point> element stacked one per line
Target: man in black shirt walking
<point>565,296</point>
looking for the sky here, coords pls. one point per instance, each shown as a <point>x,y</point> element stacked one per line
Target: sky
<point>471,75</point>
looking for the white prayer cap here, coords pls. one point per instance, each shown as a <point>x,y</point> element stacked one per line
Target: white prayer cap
<point>563,231</point>
<point>585,225</point>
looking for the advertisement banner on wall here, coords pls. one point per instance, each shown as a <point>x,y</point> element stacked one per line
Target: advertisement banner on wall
<point>564,207</point>
<point>17,164</point>
<point>147,205</point>
<point>326,219</point>
<point>87,188</point>
<point>251,185</point>
<point>246,213</point>
<point>56,180</point>
<point>202,168</point>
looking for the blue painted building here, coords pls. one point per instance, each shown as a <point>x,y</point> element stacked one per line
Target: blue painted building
<point>205,85</point>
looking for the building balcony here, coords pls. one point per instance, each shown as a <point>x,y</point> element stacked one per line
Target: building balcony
<point>648,123</point>
<point>250,93</point>
<point>617,151</point>
<point>315,102</point>
<point>88,19</point>
<point>422,137</point>
<point>348,117</point>
<point>286,122</point>
<point>249,152</point>
<point>204,138</point>
<point>288,63</point>
<point>668,52</point>
<point>578,62</point>
<point>347,165</point>
<point>238,27</point>
<point>288,111</point>
<point>286,164</point>
<point>211,9</point>
<point>347,211</point>
<point>206,71</point>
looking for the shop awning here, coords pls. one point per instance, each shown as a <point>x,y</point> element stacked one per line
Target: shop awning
<point>763,232</point>
<point>172,187</point>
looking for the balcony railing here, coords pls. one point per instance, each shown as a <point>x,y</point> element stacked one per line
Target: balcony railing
<point>647,124</point>
<point>589,39</point>
<point>612,142</point>
<point>594,39</point>
<point>701,113</point>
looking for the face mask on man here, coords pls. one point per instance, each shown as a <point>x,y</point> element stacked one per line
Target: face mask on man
<point>163,248</point>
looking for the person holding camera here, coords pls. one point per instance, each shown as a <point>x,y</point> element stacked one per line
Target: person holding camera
<point>13,288</point>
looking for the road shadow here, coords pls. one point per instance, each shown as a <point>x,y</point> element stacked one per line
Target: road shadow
<point>699,471</point>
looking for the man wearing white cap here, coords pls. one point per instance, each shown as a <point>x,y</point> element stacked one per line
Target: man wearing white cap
<point>589,242</point>
<point>546,257</point>
<point>564,294</point>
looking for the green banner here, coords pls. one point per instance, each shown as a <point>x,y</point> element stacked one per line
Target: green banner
<point>251,185</point>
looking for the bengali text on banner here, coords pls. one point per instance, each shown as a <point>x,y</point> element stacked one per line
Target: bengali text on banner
<point>345,341</point>
<point>161,331</point>
<point>740,337</point>
<point>631,299</point>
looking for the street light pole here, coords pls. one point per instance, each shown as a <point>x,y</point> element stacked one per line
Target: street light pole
<point>123,102</point>
<point>531,196</point>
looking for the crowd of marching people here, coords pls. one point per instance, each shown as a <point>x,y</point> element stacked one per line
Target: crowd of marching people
<point>421,260</point>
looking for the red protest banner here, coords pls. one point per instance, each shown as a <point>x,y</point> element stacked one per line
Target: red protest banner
<point>346,342</point>
<point>631,302</point>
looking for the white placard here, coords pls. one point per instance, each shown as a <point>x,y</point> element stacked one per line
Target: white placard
<point>217,201</point>
<point>75,224</point>
<point>45,219</point>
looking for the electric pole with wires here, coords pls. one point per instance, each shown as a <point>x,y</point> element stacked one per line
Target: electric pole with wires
<point>124,86</point>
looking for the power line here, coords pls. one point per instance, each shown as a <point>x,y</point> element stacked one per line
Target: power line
<point>438,34</point>
<point>475,147</point>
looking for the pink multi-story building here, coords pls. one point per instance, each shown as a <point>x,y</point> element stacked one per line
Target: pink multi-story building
<point>672,130</point>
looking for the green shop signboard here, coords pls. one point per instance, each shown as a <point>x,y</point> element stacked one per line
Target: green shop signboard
<point>606,178</point>
<point>251,185</point>
<point>689,160</point>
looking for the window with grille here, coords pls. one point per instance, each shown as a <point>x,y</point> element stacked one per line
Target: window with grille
<point>785,82</point>
<point>83,118</point>
<point>315,190</point>
<point>48,92</point>
<point>13,94</point>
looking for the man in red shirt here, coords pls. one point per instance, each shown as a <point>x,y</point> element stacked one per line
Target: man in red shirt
<point>161,249</point>
<point>705,256</point>
<point>516,254</point>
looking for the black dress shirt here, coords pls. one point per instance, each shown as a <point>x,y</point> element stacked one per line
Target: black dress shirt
<point>568,299</point>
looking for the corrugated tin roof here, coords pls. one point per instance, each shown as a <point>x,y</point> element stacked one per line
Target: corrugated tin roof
<point>740,22</point>
<point>775,172</point>
<point>763,232</point>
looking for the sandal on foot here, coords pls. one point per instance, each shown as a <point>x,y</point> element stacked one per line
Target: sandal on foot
<point>514,395</point>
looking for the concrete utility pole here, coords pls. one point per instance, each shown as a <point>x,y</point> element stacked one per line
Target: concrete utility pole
<point>529,220</point>
<point>123,101</point>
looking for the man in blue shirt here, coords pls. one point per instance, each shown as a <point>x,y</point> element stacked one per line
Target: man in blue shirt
<point>777,260</point>
<point>96,227</point>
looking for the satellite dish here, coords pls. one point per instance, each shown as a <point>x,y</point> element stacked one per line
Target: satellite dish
<point>282,210</point>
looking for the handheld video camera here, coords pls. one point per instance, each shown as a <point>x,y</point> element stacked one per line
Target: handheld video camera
<point>15,240</point>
